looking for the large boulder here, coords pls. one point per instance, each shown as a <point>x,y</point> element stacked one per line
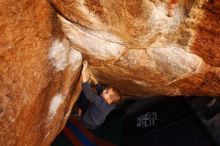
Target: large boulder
<point>148,47</point>
<point>142,47</point>
<point>38,74</point>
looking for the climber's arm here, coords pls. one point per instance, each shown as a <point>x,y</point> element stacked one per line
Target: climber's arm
<point>99,88</point>
<point>90,95</point>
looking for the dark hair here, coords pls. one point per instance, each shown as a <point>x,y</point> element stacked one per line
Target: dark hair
<point>104,86</point>
<point>117,95</point>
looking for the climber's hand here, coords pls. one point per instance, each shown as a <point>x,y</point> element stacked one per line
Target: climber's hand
<point>93,78</point>
<point>84,72</point>
<point>85,64</point>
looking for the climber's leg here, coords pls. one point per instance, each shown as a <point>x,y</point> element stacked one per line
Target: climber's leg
<point>82,105</point>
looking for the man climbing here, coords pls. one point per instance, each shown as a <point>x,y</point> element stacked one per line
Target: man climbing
<point>94,107</point>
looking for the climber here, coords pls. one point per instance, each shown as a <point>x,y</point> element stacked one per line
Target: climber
<point>94,107</point>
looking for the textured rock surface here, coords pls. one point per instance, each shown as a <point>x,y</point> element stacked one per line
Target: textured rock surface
<point>37,69</point>
<point>142,47</point>
<point>148,47</point>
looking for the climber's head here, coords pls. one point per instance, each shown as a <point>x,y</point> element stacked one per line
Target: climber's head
<point>111,95</point>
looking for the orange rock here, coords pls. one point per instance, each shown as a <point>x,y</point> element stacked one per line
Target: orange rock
<point>140,45</point>
<point>35,97</point>
<point>133,45</point>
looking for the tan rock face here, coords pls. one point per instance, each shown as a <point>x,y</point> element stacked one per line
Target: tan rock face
<point>38,73</point>
<point>142,47</point>
<point>147,47</point>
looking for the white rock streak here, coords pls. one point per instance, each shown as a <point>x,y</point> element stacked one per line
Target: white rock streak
<point>176,59</point>
<point>58,55</point>
<point>61,56</point>
<point>100,44</point>
<point>54,104</point>
<point>74,58</point>
<point>160,20</point>
<point>164,29</point>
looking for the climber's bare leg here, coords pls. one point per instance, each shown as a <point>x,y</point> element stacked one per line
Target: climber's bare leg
<point>79,112</point>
